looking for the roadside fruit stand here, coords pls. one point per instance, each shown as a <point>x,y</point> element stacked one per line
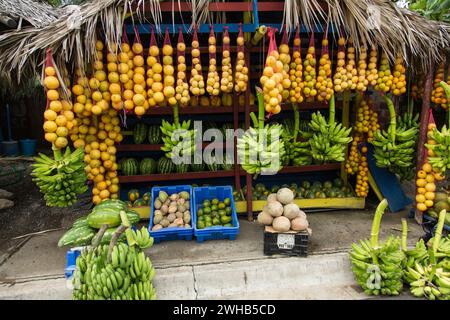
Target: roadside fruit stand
<point>203,111</point>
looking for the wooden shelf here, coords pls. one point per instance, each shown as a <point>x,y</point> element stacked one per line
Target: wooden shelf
<point>179,176</point>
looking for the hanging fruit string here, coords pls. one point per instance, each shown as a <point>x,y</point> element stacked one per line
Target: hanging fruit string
<point>154,74</point>
<point>295,72</point>
<point>285,58</point>
<point>309,72</point>
<point>182,88</point>
<point>168,70</point>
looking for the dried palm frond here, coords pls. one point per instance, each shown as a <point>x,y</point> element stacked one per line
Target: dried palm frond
<point>38,14</point>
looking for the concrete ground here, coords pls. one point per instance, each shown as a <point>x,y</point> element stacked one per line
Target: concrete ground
<point>33,267</point>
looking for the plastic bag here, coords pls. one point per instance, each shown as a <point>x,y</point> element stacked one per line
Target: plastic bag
<point>213,80</point>
<point>324,83</point>
<point>296,70</point>
<point>271,79</point>
<point>196,81</point>
<point>309,89</point>
<point>241,73</point>
<point>154,74</point>
<point>168,70</point>
<point>140,94</point>
<point>285,58</point>
<point>226,81</point>
<point>182,88</point>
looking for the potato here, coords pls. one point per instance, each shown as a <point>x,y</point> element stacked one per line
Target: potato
<point>172,209</point>
<point>179,221</point>
<point>187,217</point>
<point>158,204</point>
<point>157,218</point>
<point>157,227</point>
<point>164,222</point>
<point>171,217</point>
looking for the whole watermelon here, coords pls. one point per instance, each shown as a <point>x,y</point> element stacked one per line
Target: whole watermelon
<point>154,135</point>
<point>147,166</point>
<point>182,168</point>
<point>130,167</point>
<point>139,133</point>
<point>165,165</point>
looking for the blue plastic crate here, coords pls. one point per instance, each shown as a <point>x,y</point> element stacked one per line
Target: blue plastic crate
<point>216,232</point>
<point>166,234</point>
<point>71,258</point>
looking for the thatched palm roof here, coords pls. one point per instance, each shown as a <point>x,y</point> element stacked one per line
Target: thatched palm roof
<point>368,22</point>
<point>38,14</point>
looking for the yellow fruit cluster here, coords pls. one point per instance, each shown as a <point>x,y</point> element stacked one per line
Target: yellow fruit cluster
<point>296,73</point>
<point>59,116</point>
<point>352,163</point>
<point>126,73</point>
<point>438,95</point>
<point>399,77</point>
<point>154,78</point>
<point>226,81</point>
<point>213,80</point>
<point>309,69</point>
<point>182,88</point>
<point>324,84</point>
<point>372,75</point>
<point>241,73</point>
<point>139,84</point>
<point>426,187</point>
<point>366,120</point>
<point>417,89</point>
<point>115,97</point>
<point>98,133</point>
<point>362,178</point>
<point>363,82</point>
<point>169,71</point>
<point>340,79</point>
<point>385,78</point>
<point>271,81</point>
<point>197,83</point>
<point>352,72</point>
<point>285,58</point>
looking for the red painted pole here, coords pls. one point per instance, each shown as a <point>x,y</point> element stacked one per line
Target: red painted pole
<point>428,86</point>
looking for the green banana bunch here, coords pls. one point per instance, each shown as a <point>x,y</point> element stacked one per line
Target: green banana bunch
<point>395,148</point>
<point>406,126</point>
<point>62,178</point>
<point>441,161</point>
<point>298,153</point>
<point>142,238</point>
<point>429,273</point>
<point>261,149</point>
<point>378,267</point>
<point>126,275</point>
<point>178,139</point>
<point>329,139</point>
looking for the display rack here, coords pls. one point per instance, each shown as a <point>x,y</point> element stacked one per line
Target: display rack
<point>247,206</point>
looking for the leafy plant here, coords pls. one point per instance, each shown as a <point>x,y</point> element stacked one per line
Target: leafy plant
<point>431,9</point>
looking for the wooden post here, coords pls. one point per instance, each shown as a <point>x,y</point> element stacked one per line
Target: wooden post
<point>248,177</point>
<point>237,175</point>
<point>423,132</point>
<point>345,123</point>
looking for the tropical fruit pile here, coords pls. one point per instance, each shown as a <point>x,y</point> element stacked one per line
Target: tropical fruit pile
<point>213,212</point>
<point>135,201</point>
<point>84,228</point>
<point>171,211</point>
<point>282,214</point>
<point>116,271</point>
<point>377,267</point>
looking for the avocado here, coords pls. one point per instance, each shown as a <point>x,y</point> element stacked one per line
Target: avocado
<point>225,219</point>
<point>227,201</point>
<point>216,221</point>
<point>200,224</point>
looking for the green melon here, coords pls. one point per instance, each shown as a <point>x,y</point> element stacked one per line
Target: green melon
<point>147,166</point>
<point>165,165</point>
<point>139,133</point>
<point>130,167</point>
<point>154,134</point>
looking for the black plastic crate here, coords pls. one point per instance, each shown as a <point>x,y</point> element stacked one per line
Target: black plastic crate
<point>289,243</point>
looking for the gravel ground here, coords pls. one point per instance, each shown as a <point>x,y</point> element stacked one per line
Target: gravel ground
<point>30,214</point>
